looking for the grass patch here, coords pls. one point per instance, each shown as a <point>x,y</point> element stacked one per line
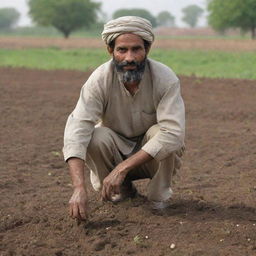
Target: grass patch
<point>209,63</point>
<point>183,62</point>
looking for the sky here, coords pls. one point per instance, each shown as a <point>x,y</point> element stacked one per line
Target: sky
<point>110,6</point>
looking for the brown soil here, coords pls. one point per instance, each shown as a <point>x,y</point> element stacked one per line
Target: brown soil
<point>213,210</point>
<point>196,43</point>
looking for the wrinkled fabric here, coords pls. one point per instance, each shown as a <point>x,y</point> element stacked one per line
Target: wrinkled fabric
<point>105,99</point>
<point>101,160</point>
<point>127,24</point>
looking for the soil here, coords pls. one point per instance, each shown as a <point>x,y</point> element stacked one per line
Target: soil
<point>213,210</point>
<point>164,43</point>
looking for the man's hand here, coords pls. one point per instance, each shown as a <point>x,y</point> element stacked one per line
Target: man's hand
<point>112,183</point>
<point>78,204</point>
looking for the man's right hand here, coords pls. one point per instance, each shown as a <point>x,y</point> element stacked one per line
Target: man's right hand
<point>78,204</point>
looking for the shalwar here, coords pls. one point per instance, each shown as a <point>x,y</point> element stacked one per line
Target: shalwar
<point>103,155</point>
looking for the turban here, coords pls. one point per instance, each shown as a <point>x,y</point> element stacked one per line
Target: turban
<point>128,24</point>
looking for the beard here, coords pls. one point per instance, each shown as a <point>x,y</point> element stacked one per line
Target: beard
<point>130,76</point>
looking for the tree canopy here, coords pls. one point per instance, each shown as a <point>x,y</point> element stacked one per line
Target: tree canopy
<point>8,17</point>
<point>165,18</point>
<point>136,12</point>
<point>191,15</point>
<point>64,15</point>
<point>233,14</point>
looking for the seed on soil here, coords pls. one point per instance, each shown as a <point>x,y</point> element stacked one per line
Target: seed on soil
<point>172,246</point>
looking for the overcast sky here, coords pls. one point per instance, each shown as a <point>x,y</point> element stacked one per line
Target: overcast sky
<point>109,6</point>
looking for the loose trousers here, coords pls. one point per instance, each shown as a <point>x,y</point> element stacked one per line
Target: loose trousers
<point>104,154</point>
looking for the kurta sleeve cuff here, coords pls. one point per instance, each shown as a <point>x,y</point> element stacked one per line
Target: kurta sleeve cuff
<point>152,147</point>
<point>74,151</point>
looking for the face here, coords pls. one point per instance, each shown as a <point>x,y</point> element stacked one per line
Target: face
<point>129,56</point>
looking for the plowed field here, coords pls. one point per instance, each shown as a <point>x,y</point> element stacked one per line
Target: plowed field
<point>213,210</point>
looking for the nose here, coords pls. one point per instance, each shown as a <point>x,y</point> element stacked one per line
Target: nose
<point>130,56</point>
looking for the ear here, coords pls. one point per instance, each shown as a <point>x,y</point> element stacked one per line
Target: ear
<point>110,50</point>
<point>148,49</point>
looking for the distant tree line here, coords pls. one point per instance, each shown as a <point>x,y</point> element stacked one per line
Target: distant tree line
<point>164,18</point>
<point>70,15</point>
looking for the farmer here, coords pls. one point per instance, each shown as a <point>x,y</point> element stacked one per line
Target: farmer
<point>128,123</point>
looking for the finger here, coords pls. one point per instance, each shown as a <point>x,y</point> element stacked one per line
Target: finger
<point>116,189</point>
<point>75,211</point>
<point>82,211</point>
<point>109,191</point>
<point>103,193</point>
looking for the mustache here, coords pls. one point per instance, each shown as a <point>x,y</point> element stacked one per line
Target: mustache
<point>139,65</point>
<point>128,64</point>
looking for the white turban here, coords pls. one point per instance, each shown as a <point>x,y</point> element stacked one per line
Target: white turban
<point>128,24</point>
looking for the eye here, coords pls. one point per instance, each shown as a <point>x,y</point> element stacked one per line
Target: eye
<point>121,49</point>
<point>136,48</point>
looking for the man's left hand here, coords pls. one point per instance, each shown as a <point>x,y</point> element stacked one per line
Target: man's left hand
<point>112,183</point>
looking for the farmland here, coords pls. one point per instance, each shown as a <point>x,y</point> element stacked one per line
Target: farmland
<point>205,58</point>
<point>213,210</point>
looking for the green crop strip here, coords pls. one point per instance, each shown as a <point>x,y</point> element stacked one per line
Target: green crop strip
<point>184,62</point>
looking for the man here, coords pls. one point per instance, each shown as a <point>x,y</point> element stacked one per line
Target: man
<point>128,123</point>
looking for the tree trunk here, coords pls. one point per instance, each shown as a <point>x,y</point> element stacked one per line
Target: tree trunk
<point>66,34</point>
<point>253,33</point>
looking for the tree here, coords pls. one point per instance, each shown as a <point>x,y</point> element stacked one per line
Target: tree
<point>135,12</point>
<point>233,14</point>
<point>65,15</point>
<point>164,18</point>
<point>8,17</point>
<point>192,14</point>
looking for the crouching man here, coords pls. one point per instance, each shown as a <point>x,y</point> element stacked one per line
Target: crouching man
<point>128,123</point>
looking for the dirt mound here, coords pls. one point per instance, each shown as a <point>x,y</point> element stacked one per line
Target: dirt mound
<point>213,210</point>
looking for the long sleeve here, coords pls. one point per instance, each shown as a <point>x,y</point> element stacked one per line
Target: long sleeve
<point>81,122</point>
<point>171,119</point>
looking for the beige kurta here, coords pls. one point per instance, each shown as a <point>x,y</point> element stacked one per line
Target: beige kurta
<point>104,99</point>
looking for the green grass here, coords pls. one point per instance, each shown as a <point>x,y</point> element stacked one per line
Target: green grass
<point>183,62</point>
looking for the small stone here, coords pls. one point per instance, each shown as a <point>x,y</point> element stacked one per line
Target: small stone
<point>146,237</point>
<point>248,239</point>
<point>237,225</point>
<point>49,174</point>
<point>221,240</point>
<point>172,246</point>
